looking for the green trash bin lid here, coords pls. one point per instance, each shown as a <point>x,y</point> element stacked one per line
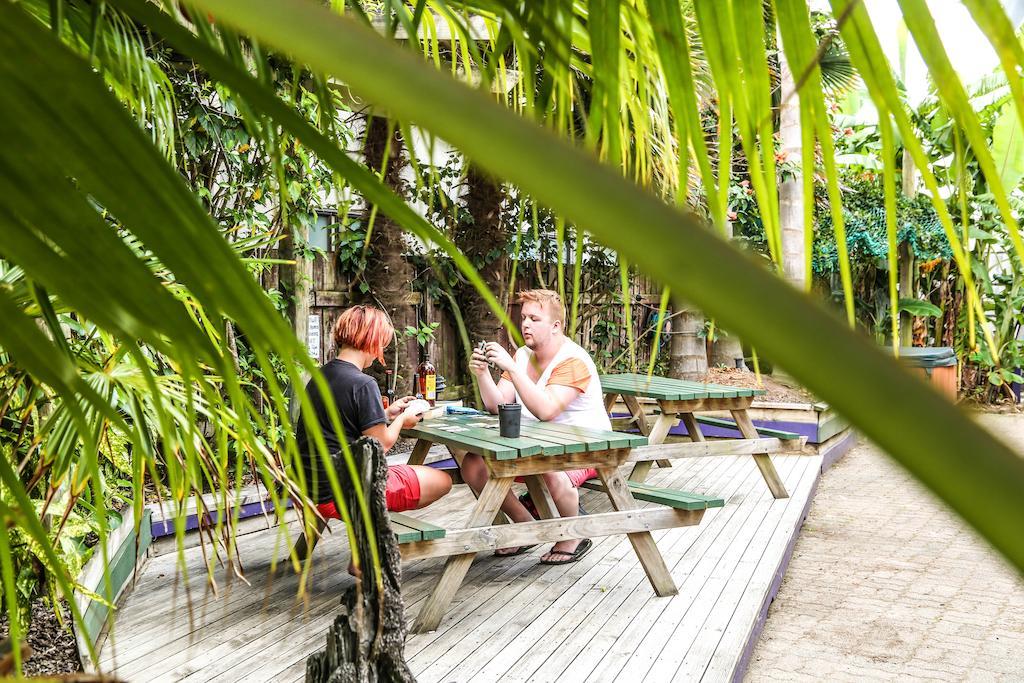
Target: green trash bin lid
<point>928,357</point>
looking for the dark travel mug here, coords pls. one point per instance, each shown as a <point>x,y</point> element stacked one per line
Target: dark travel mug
<point>509,418</point>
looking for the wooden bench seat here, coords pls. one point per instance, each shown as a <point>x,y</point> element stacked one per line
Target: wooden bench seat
<point>731,424</point>
<point>629,422</point>
<point>680,500</point>
<point>407,529</point>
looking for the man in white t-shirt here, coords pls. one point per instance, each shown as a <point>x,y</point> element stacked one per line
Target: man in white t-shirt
<point>555,380</point>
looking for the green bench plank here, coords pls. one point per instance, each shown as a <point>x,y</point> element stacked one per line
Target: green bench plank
<point>680,500</point>
<point>731,424</point>
<point>485,428</point>
<point>680,495</point>
<point>426,530</point>
<point>638,387</point>
<point>404,533</point>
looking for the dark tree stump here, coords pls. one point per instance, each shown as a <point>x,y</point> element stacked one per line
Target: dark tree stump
<point>366,643</point>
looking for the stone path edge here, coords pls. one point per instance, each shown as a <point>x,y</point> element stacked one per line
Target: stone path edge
<point>830,457</point>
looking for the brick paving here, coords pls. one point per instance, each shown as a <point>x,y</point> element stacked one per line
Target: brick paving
<point>885,583</point>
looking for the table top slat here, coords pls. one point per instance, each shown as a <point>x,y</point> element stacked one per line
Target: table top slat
<point>462,441</point>
<point>479,433</point>
<point>569,443</point>
<point>669,389</point>
<point>613,439</point>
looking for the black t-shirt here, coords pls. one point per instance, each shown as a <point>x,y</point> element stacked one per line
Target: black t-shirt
<point>357,398</point>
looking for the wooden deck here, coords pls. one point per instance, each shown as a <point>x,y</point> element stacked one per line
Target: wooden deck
<point>513,619</point>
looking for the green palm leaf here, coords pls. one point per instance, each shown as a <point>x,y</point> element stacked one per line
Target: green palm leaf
<point>920,429</point>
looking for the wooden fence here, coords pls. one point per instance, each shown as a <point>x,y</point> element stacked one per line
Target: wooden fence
<point>600,329</point>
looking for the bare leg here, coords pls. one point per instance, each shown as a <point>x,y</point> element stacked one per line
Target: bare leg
<point>474,473</point>
<point>567,500</point>
<point>434,485</point>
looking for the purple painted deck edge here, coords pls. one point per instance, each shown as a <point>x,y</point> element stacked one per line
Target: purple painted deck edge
<point>828,459</point>
<point>166,527</point>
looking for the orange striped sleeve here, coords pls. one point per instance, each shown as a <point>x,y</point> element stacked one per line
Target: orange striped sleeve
<point>571,372</point>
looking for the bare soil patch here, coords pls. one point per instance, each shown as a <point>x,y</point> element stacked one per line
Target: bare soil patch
<point>777,389</point>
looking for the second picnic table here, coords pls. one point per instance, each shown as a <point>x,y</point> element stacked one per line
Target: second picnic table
<point>542,447</point>
<point>679,400</point>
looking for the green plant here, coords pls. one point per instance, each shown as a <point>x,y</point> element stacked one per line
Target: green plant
<point>63,122</point>
<point>573,183</point>
<point>422,334</point>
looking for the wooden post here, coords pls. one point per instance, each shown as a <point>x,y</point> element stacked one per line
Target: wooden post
<point>643,543</point>
<point>541,497</point>
<point>655,435</point>
<point>367,639</point>
<point>692,427</point>
<point>762,460</point>
<point>455,570</point>
<point>419,452</point>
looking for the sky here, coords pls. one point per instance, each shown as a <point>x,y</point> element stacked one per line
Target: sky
<point>969,51</point>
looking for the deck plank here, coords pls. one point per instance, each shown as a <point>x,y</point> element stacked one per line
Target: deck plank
<point>644,638</point>
<point>577,626</point>
<point>525,616</point>
<point>512,620</point>
<point>579,655</point>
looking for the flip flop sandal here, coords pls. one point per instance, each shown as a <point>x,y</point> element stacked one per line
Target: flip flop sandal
<point>582,549</point>
<point>519,551</point>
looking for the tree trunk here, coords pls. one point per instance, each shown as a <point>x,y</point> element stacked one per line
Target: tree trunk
<point>906,289</point>
<point>791,194</point>
<point>388,273</point>
<point>727,347</point>
<point>296,278</point>
<point>688,353</point>
<point>477,237</point>
<point>366,642</point>
<point>906,256</point>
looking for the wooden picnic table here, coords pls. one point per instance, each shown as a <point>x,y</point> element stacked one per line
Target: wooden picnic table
<point>542,447</point>
<point>678,400</point>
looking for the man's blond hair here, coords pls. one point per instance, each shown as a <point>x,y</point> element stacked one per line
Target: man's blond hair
<point>548,299</point>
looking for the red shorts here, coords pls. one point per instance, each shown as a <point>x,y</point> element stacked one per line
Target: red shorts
<point>577,477</point>
<point>401,492</point>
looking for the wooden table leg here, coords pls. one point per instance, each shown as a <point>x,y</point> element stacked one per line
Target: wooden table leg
<point>419,452</point>
<point>459,454</point>
<point>455,570</point>
<point>643,543</point>
<point>637,411</point>
<point>692,427</point>
<point>656,435</point>
<point>762,460</point>
<point>541,497</point>
<point>609,402</point>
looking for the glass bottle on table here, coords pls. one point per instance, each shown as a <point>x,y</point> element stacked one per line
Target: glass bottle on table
<point>428,381</point>
<point>389,388</point>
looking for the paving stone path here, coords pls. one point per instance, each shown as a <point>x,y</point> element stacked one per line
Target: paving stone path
<point>885,583</point>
